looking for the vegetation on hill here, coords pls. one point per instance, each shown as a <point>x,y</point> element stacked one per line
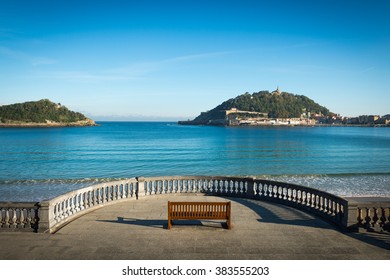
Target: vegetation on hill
<point>283,105</point>
<point>42,111</point>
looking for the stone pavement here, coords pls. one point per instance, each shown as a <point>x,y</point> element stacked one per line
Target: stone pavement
<point>136,229</point>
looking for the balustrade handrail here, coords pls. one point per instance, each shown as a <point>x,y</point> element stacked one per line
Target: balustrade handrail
<point>54,213</point>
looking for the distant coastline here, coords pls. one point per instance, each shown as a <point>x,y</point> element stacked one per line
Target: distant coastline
<point>283,125</point>
<point>82,123</point>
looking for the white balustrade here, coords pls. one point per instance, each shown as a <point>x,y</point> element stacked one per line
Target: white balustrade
<point>53,214</point>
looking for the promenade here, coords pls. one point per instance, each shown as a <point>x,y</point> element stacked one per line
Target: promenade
<point>136,229</point>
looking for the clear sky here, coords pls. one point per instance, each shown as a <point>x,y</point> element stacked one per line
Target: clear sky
<point>170,60</point>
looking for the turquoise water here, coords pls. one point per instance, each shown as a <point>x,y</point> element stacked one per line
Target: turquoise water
<point>40,163</point>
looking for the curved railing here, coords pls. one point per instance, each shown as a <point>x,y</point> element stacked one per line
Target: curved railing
<point>326,205</point>
<point>55,213</point>
<point>61,210</point>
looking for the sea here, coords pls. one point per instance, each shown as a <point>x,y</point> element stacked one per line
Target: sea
<point>41,163</point>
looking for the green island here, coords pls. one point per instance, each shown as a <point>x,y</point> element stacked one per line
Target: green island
<point>278,108</point>
<point>42,113</point>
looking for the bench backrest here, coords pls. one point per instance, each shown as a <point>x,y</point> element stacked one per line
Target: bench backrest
<point>199,210</point>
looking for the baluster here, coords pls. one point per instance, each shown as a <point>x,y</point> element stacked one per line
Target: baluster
<point>154,187</point>
<point>203,185</point>
<point>6,218</point>
<point>189,185</point>
<point>123,188</point>
<point>86,200</point>
<point>235,187</point>
<point>206,186</point>
<point>367,218</point>
<point>14,218</point>
<point>28,219</point>
<point>20,218</point>
<point>175,186</point>
<point>317,202</point>
<point>97,196</point>
<point>170,186</point>
<point>212,186</point>
<point>116,192</point>
<point>185,186</point>
<point>301,197</point>
<point>180,185</point>
<point>375,218</point>
<point>307,199</point>
<point>82,201</point>
<point>160,187</point>
<point>111,192</point>
<point>325,206</point>
<point>126,190</point>
<point>335,209</point>
<point>310,200</point>
<point>89,199</point>
<point>62,210</point>
<point>293,195</point>
<point>56,213</point>
<point>77,205</point>
<point>331,208</point>
<point>277,192</point>
<point>73,204</point>
<point>92,198</point>
<point>230,187</point>
<point>120,192</point>
<point>131,189</point>
<point>315,205</point>
<point>322,208</point>
<point>66,208</point>
<point>163,186</point>
<point>108,195</point>
<point>260,187</point>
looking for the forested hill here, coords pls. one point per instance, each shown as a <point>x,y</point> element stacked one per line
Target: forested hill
<point>40,112</point>
<point>276,105</point>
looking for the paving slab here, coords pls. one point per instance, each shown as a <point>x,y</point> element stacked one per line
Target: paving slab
<point>136,229</point>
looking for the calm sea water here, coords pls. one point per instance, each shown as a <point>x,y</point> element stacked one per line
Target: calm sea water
<point>39,163</point>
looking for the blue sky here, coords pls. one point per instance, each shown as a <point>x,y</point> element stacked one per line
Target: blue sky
<point>170,60</point>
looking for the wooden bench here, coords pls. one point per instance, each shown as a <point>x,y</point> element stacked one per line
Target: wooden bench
<point>199,211</point>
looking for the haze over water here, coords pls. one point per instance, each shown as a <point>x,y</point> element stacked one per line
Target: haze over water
<point>39,163</point>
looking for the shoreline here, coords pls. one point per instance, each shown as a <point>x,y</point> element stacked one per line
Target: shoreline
<point>184,123</point>
<point>85,123</point>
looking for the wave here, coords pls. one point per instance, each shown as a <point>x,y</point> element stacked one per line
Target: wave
<point>102,180</point>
